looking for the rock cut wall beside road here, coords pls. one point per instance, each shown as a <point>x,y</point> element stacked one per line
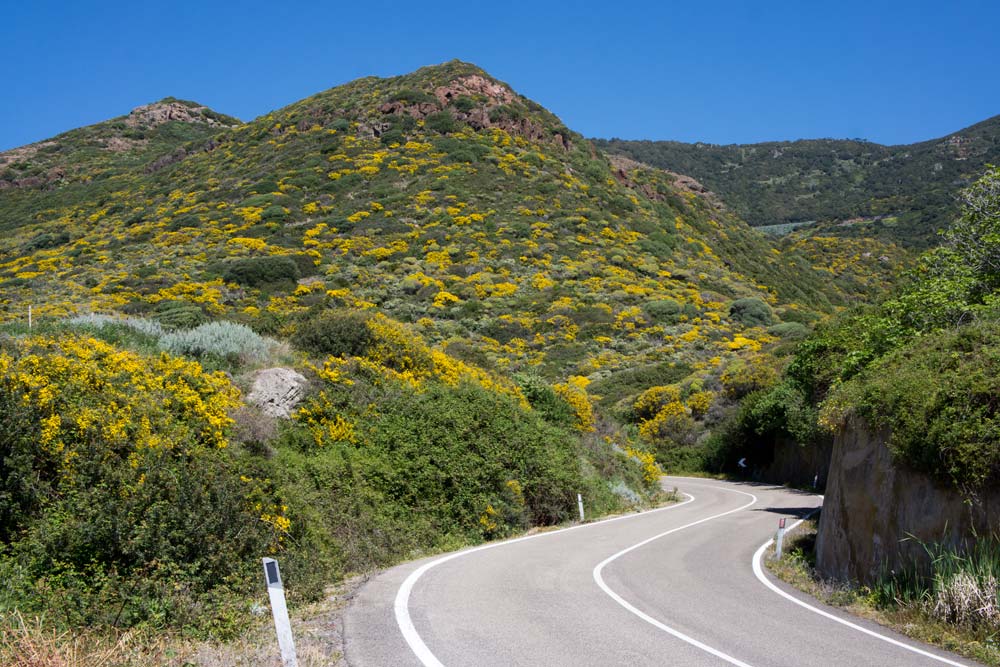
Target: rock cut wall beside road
<point>873,505</point>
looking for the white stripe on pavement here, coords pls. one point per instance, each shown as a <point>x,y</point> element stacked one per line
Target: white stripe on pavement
<point>649,619</point>
<point>402,603</point>
<point>759,571</point>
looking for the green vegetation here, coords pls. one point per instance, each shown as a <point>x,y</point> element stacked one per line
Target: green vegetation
<point>139,490</point>
<point>447,201</point>
<point>903,194</point>
<point>921,364</point>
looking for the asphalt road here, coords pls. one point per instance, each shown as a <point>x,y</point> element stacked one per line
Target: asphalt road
<point>673,586</point>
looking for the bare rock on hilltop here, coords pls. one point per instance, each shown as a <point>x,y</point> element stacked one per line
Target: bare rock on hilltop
<point>158,113</point>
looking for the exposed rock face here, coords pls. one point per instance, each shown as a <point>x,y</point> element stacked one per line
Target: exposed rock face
<point>622,165</point>
<point>276,391</point>
<point>496,95</point>
<point>472,85</point>
<point>873,505</point>
<point>158,113</point>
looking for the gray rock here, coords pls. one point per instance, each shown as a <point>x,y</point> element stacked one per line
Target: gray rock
<point>877,512</point>
<point>276,391</point>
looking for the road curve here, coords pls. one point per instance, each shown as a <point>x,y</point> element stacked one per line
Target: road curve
<point>670,586</point>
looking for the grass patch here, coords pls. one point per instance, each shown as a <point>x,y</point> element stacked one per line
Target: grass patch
<point>317,628</point>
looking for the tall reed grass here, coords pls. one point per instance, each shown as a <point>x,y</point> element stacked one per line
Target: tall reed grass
<point>960,586</point>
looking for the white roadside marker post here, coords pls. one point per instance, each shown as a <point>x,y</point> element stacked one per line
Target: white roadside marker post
<point>276,591</point>
<point>29,317</point>
<point>579,502</point>
<point>781,537</point>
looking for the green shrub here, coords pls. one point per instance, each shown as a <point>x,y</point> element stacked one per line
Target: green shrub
<point>449,453</point>
<point>179,314</point>
<point>663,311</point>
<point>464,103</point>
<point>751,312</point>
<point>441,122</point>
<point>412,96</point>
<point>782,410</point>
<point>229,341</point>
<point>274,213</point>
<point>257,271</point>
<point>505,112</point>
<point>392,136</point>
<point>789,330</point>
<point>339,333</point>
<point>543,398</point>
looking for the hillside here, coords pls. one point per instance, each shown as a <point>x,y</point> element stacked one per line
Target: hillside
<point>488,316</point>
<point>440,197</point>
<point>902,193</point>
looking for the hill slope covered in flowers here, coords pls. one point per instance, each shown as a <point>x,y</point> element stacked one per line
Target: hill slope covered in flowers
<point>492,315</point>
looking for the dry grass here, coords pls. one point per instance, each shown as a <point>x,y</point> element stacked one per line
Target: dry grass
<point>317,627</point>
<point>967,600</point>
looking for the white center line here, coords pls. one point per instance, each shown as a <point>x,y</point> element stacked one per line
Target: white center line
<point>402,602</point>
<point>649,619</point>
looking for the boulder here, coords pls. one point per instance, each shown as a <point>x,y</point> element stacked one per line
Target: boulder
<point>276,391</point>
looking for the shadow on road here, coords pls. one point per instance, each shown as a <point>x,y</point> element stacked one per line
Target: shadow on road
<point>796,511</point>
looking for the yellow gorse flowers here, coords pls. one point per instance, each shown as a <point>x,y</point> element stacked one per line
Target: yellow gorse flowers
<point>85,391</point>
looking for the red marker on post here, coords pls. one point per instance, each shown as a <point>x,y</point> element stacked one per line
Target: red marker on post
<point>780,538</point>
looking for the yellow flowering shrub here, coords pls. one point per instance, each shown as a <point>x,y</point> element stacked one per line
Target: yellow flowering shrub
<point>699,402</point>
<point>654,398</point>
<point>651,470</point>
<point>574,392</point>
<point>132,480</point>
<point>60,378</point>
<point>673,421</point>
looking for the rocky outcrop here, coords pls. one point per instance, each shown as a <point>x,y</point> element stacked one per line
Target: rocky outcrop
<point>622,167</point>
<point>473,85</point>
<point>158,113</point>
<point>490,99</point>
<point>877,512</point>
<point>276,391</point>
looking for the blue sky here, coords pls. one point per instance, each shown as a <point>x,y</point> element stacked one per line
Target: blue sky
<point>721,72</point>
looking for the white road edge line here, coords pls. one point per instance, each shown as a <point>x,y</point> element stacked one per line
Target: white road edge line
<point>402,602</point>
<point>649,619</point>
<point>759,571</point>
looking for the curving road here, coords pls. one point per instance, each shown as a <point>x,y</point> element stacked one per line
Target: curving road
<point>672,586</point>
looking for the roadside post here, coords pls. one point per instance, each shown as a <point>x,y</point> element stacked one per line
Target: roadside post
<point>276,591</point>
<point>780,538</point>
<point>29,316</point>
<point>579,502</point>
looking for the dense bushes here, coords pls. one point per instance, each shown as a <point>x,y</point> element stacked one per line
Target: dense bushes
<point>938,399</point>
<point>922,364</point>
<point>117,484</point>
<point>334,332</point>
<point>257,271</point>
<point>751,312</point>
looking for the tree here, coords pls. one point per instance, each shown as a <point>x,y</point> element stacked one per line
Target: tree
<point>975,236</point>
